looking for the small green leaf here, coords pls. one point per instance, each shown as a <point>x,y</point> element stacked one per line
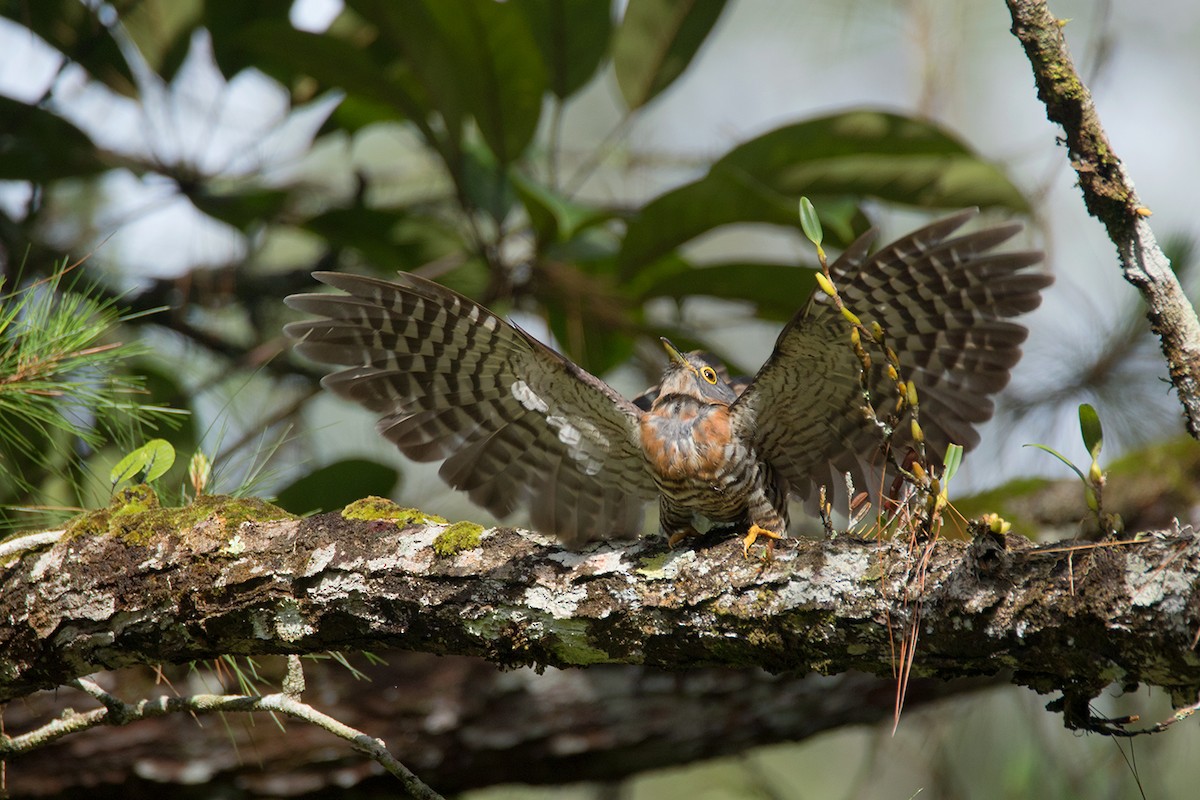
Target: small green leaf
<point>553,216</point>
<point>952,461</point>
<point>1060,457</point>
<point>153,459</point>
<point>810,223</point>
<point>1089,426</point>
<point>127,467</point>
<point>160,455</point>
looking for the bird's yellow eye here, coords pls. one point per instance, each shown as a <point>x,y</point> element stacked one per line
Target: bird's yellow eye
<point>709,374</point>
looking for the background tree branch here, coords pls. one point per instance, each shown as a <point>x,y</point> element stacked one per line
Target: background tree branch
<point>1109,196</point>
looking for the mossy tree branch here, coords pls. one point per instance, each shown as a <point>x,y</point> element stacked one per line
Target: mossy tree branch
<point>1110,197</point>
<point>1061,618</point>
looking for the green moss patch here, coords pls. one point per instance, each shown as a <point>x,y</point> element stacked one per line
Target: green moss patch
<point>374,508</point>
<point>458,537</point>
<point>135,516</point>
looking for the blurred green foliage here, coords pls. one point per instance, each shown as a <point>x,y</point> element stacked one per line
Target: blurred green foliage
<point>480,88</point>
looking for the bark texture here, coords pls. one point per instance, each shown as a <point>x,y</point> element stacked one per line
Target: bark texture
<point>1109,195</point>
<point>1071,620</point>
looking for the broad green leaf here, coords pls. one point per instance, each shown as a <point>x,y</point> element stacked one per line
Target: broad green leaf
<point>590,316</point>
<point>552,216</point>
<point>720,198</point>
<point>337,485</point>
<point>72,28</point>
<point>408,40</point>
<point>1089,426</point>
<point>499,70</point>
<point>655,42</point>
<point>240,209</point>
<point>1061,458</point>
<point>39,146</point>
<point>288,54</point>
<point>472,57</point>
<point>572,36</point>
<point>227,23</point>
<point>387,238</point>
<point>875,154</point>
<point>777,290</point>
<point>596,345</point>
<point>485,183</point>
<point>833,160</point>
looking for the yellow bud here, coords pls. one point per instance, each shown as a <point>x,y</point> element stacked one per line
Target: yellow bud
<point>892,374</point>
<point>876,330</point>
<point>825,285</point>
<point>918,435</point>
<point>854,338</point>
<point>892,357</point>
<point>850,316</point>
<point>911,391</point>
<point>1095,475</point>
<point>919,472</point>
<point>997,523</point>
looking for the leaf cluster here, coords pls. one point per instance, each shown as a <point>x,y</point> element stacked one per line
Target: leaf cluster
<point>477,183</point>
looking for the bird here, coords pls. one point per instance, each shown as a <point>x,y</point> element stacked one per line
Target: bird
<point>515,424</point>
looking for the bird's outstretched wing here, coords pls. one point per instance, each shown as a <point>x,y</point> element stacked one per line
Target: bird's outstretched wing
<point>515,423</point>
<point>944,302</point>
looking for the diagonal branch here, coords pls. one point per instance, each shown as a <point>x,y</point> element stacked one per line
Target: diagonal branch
<point>1110,197</point>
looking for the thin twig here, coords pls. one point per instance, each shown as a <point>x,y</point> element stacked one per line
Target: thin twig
<point>118,712</point>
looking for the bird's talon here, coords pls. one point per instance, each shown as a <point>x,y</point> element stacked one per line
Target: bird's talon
<point>755,532</point>
<point>678,536</point>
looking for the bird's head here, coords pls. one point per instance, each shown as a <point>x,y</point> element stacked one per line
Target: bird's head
<point>690,375</point>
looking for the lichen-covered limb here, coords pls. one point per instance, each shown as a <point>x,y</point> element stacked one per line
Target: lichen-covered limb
<point>1061,619</point>
<point>1110,197</point>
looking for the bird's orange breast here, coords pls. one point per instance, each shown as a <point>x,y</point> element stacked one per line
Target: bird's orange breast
<point>687,442</point>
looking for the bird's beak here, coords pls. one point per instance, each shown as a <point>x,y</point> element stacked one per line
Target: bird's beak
<point>671,351</point>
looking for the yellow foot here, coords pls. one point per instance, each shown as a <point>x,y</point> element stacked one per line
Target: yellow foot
<point>678,536</point>
<point>754,533</point>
